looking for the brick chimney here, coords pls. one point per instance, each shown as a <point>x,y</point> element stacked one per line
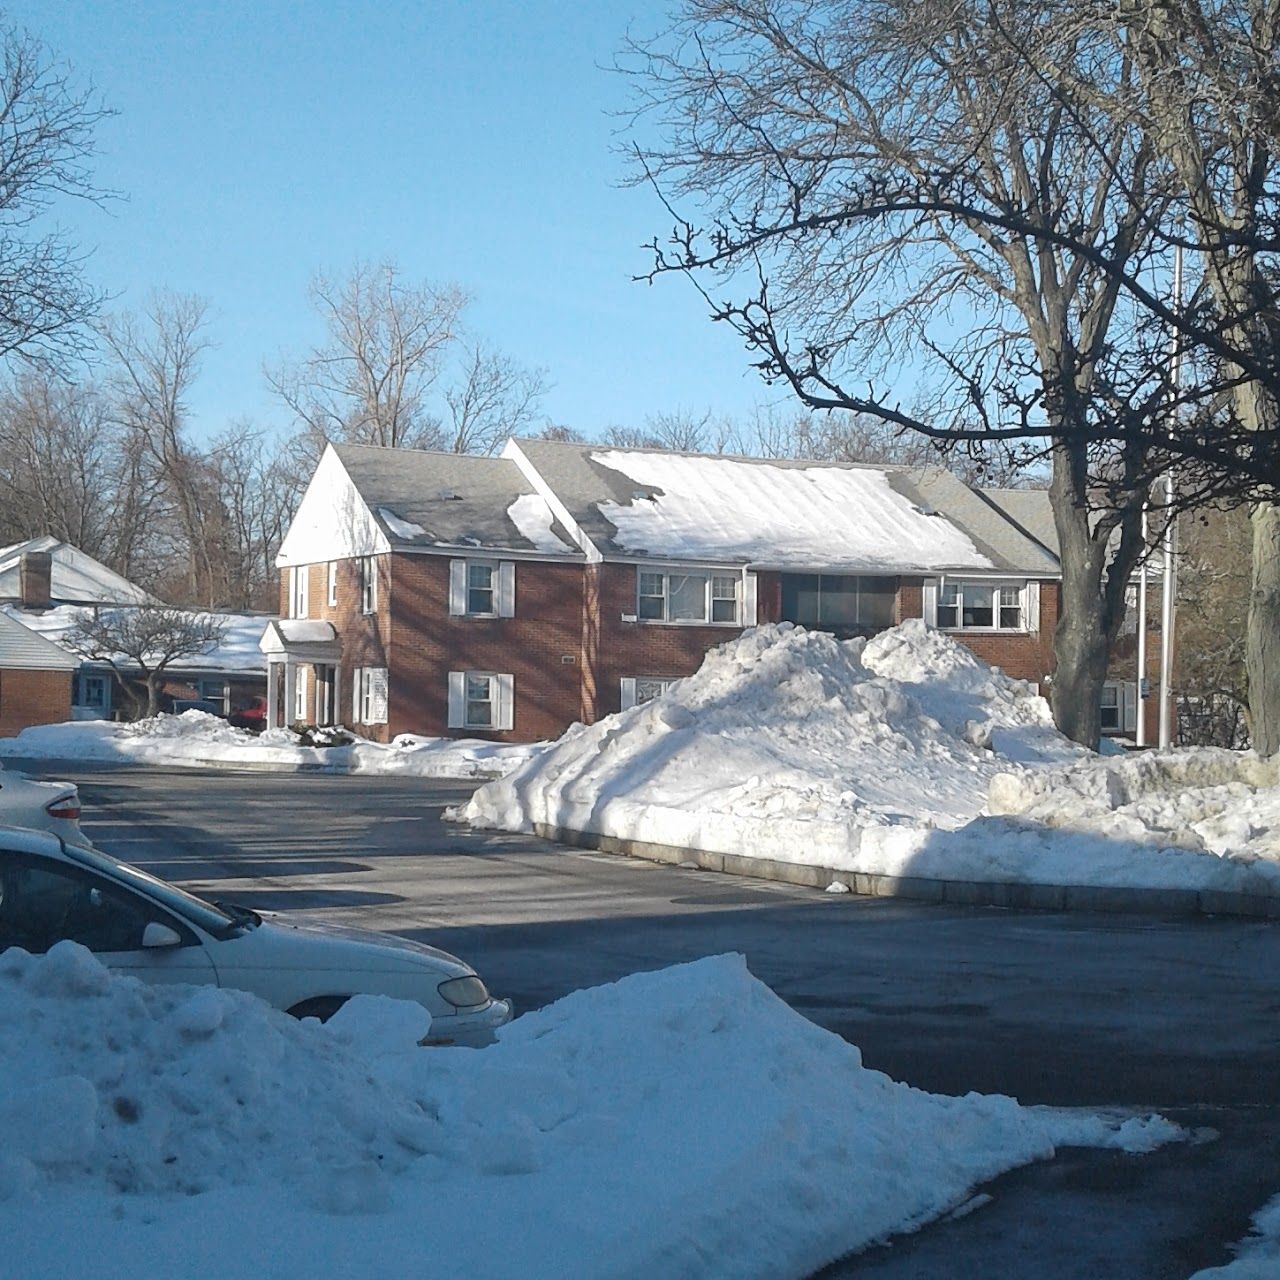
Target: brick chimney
<point>35,579</point>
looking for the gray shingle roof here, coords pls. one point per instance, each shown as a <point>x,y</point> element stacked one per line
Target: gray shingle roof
<point>583,484</point>
<point>423,499</point>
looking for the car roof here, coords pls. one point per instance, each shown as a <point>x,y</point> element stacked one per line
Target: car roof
<point>27,840</point>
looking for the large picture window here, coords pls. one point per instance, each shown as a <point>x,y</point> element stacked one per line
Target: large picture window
<point>670,595</point>
<point>838,602</point>
<point>981,606</point>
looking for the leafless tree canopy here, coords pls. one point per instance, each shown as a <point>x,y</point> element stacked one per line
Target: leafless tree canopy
<point>147,639</point>
<point>398,370</point>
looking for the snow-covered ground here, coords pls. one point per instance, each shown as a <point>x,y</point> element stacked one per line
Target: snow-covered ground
<point>677,1124</point>
<point>197,738</point>
<point>879,757</point>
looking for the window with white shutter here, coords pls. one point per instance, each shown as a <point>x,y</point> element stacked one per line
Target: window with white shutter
<point>481,700</point>
<point>482,588</point>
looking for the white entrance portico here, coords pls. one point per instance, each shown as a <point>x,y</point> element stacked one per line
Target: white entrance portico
<point>292,645</point>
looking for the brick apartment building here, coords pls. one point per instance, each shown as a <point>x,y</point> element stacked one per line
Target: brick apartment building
<point>507,597</point>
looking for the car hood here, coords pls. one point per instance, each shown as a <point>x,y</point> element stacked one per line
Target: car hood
<point>361,948</point>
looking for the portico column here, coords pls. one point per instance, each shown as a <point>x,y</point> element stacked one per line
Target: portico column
<point>290,689</point>
<point>273,692</point>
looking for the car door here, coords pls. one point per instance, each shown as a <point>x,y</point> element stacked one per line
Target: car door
<point>43,902</point>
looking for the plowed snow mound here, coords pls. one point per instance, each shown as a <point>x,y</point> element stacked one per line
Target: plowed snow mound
<point>784,726</point>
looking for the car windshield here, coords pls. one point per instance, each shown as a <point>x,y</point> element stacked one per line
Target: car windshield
<point>205,914</point>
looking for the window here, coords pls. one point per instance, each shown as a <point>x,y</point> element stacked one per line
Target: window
<point>1112,709</point>
<point>95,692</point>
<point>298,591</point>
<point>638,689</point>
<point>481,700</point>
<point>480,588</point>
<point>333,583</point>
<point>981,606</point>
<point>838,602</point>
<point>368,584</point>
<point>215,692</point>
<point>674,596</point>
<point>369,695</point>
<point>43,903</point>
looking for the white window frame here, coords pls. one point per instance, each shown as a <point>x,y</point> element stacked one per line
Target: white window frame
<point>333,583</point>
<point>630,689</point>
<point>502,587</point>
<point>501,700</point>
<point>709,597</point>
<point>997,587</point>
<point>369,587</point>
<point>298,589</point>
<point>1125,706</point>
<point>368,695</point>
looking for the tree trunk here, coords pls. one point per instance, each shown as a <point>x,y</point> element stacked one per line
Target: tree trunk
<point>1080,650</point>
<point>1262,651</point>
<point>153,694</point>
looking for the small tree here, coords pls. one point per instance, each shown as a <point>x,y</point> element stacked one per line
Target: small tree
<point>149,638</point>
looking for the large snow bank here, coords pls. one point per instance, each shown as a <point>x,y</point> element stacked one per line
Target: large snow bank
<point>196,738</point>
<point>878,758</point>
<point>680,1123</point>
<point>791,745</point>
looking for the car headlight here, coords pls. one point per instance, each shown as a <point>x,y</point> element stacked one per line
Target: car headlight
<point>464,993</point>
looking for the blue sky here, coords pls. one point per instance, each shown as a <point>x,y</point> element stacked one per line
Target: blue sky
<point>258,142</point>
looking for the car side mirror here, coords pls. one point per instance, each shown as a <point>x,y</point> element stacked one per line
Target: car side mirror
<point>160,935</point>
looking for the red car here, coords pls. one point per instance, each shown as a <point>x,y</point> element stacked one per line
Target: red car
<point>254,716</point>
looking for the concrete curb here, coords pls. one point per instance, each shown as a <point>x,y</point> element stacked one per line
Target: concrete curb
<point>961,893</point>
<point>55,764</point>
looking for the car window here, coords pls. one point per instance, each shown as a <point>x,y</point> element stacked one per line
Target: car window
<point>43,902</point>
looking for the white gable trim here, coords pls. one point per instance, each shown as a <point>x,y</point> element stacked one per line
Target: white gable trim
<point>333,521</point>
<point>514,453</point>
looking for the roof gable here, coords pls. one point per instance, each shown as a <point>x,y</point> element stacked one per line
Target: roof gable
<point>21,649</point>
<point>333,521</point>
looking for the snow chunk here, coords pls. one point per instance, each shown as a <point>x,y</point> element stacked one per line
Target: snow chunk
<point>400,527</point>
<point>722,509</point>
<point>533,518</point>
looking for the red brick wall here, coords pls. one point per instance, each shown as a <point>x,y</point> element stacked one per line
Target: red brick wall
<point>427,643</point>
<point>366,638</point>
<point>1023,656</point>
<point>33,697</point>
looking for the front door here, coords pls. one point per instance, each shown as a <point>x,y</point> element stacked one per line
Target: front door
<point>325,676</point>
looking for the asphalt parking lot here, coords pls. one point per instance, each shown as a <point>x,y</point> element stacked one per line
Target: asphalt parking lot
<point>1055,1009</point>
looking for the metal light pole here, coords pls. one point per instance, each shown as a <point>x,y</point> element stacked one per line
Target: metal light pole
<point>1140,729</point>
<point>1166,597</point>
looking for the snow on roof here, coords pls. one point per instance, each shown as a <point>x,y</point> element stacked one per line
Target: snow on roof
<point>727,509</point>
<point>238,652</point>
<point>77,577</point>
<point>536,522</point>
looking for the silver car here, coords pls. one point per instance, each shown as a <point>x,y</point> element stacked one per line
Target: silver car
<point>134,923</point>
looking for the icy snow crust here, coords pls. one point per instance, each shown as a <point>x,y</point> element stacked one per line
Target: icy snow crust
<point>1258,1254</point>
<point>722,509</point>
<point>877,757</point>
<point>196,738</point>
<point>676,1124</point>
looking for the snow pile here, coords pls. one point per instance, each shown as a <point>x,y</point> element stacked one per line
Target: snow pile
<point>198,739</point>
<point>791,745</point>
<point>1226,802</point>
<point>1258,1255</point>
<point>675,1124</point>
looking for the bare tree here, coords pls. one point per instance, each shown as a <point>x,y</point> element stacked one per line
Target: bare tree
<point>387,342</point>
<point>494,398</point>
<point>148,639</point>
<point>46,141</point>
<point>889,183</point>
